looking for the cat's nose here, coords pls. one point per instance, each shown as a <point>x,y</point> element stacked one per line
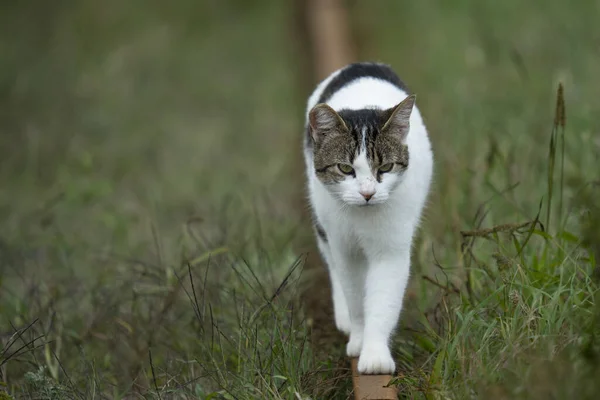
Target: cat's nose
<point>367,194</point>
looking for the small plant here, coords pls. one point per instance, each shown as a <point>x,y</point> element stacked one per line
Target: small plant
<point>5,396</point>
<point>41,386</point>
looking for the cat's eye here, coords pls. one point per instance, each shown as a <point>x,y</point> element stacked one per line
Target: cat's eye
<point>346,169</point>
<point>386,168</point>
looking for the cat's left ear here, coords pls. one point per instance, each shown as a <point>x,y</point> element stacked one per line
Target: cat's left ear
<point>398,122</point>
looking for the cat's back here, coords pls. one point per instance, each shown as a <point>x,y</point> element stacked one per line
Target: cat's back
<point>358,86</point>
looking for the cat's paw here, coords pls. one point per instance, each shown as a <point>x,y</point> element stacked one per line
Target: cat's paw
<point>354,346</point>
<point>376,360</point>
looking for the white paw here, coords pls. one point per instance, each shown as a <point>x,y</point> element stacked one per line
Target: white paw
<point>354,346</point>
<point>342,323</point>
<point>376,360</point>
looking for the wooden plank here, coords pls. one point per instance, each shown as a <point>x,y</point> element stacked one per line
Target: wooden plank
<point>371,387</point>
<point>329,28</point>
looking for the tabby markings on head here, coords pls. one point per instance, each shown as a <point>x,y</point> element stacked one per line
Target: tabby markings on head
<point>339,137</point>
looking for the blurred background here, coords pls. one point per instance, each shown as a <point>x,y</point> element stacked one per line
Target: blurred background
<point>152,199</point>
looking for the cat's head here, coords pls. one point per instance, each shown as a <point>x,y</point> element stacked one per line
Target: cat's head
<point>360,155</point>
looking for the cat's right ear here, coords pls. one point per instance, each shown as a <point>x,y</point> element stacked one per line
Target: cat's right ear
<point>323,121</point>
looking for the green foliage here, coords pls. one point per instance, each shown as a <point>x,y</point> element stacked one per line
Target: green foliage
<point>150,176</point>
<point>40,386</point>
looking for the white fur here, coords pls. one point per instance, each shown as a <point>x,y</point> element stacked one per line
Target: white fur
<point>368,246</point>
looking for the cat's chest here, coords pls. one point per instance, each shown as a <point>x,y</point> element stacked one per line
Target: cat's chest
<point>357,225</point>
<point>361,227</point>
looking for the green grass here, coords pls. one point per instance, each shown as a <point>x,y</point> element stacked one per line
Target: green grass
<point>149,227</point>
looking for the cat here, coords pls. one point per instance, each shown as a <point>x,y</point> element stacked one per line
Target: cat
<point>369,166</point>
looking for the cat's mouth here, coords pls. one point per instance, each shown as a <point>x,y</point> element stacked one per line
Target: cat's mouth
<point>368,204</point>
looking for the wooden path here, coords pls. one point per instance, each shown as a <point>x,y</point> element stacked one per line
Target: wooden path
<point>371,387</point>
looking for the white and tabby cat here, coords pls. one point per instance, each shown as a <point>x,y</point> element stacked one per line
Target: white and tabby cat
<point>369,164</point>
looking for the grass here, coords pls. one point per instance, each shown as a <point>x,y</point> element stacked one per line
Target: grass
<point>149,235</point>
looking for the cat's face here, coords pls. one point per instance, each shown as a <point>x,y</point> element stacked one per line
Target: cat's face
<point>360,155</point>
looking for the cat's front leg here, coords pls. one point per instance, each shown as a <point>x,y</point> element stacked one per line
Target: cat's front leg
<point>340,306</point>
<point>351,276</point>
<point>384,292</point>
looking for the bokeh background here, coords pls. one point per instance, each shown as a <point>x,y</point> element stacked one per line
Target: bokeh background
<point>154,233</point>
